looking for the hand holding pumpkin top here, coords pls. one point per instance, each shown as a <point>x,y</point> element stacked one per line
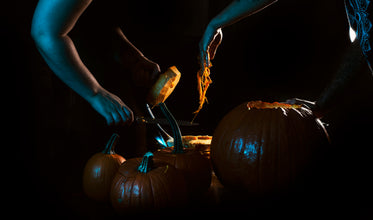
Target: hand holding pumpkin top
<point>145,72</point>
<point>314,106</point>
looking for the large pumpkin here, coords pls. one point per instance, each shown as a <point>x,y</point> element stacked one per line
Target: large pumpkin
<point>144,184</point>
<point>263,147</point>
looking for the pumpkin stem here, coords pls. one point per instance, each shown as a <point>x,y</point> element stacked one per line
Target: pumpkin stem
<point>146,163</point>
<point>109,148</point>
<point>176,133</point>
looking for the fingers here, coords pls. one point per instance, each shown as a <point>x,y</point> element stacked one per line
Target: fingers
<point>127,115</point>
<point>298,101</point>
<point>121,116</point>
<point>112,108</point>
<point>209,45</point>
<point>218,37</point>
<point>145,73</point>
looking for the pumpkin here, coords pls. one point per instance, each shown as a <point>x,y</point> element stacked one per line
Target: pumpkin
<point>164,86</point>
<point>261,147</point>
<point>99,171</point>
<point>195,167</point>
<point>147,184</point>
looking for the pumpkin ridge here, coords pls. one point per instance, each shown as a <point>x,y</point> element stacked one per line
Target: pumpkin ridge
<point>266,130</point>
<point>151,193</point>
<point>154,190</point>
<point>166,196</point>
<point>283,164</point>
<point>130,196</point>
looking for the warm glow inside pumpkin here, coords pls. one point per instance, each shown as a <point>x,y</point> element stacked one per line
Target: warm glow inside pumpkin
<point>199,143</point>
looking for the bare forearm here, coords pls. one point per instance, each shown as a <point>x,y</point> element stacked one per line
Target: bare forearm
<point>238,10</point>
<point>127,53</point>
<point>351,64</point>
<point>60,54</point>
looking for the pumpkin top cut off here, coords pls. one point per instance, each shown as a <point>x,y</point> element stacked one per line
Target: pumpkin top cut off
<point>268,105</point>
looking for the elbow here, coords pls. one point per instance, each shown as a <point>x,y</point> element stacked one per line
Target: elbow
<point>36,33</point>
<point>46,41</point>
<point>43,37</point>
<point>39,35</point>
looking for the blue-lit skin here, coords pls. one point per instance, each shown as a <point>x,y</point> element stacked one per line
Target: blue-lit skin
<point>358,12</point>
<point>234,12</point>
<point>51,24</point>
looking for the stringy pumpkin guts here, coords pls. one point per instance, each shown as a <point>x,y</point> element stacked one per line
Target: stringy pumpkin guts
<point>204,81</point>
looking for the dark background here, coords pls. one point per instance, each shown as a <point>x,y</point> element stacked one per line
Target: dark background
<point>291,49</point>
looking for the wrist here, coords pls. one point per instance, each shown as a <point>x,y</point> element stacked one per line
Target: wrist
<point>213,25</point>
<point>94,93</point>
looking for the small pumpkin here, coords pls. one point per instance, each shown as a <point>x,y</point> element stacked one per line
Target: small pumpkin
<point>99,171</point>
<point>147,184</point>
<point>261,147</point>
<point>195,167</point>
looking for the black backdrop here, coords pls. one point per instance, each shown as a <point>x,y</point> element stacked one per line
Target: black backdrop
<point>291,49</point>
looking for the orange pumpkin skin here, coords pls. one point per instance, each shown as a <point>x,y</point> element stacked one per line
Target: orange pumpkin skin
<point>264,149</point>
<point>162,186</point>
<point>194,166</point>
<point>100,170</point>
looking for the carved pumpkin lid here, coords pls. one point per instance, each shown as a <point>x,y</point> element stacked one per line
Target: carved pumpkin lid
<point>268,105</point>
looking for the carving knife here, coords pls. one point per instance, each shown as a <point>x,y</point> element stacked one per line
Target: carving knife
<point>163,121</point>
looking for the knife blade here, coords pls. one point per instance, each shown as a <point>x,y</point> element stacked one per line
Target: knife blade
<point>163,121</point>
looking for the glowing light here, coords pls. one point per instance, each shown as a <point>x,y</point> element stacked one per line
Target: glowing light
<point>161,141</point>
<point>352,35</point>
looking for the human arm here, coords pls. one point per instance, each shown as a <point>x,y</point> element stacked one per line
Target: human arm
<point>350,66</point>
<point>234,12</point>
<point>52,21</point>
<point>144,71</point>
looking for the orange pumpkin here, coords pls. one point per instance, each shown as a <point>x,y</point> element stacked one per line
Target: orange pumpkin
<point>262,147</point>
<point>195,167</point>
<point>144,184</point>
<point>99,171</point>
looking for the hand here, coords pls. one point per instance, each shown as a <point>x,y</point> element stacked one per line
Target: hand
<point>307,104</point>
<point>112,108</point>
<point>208,45</point>
<point>145,72</point>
